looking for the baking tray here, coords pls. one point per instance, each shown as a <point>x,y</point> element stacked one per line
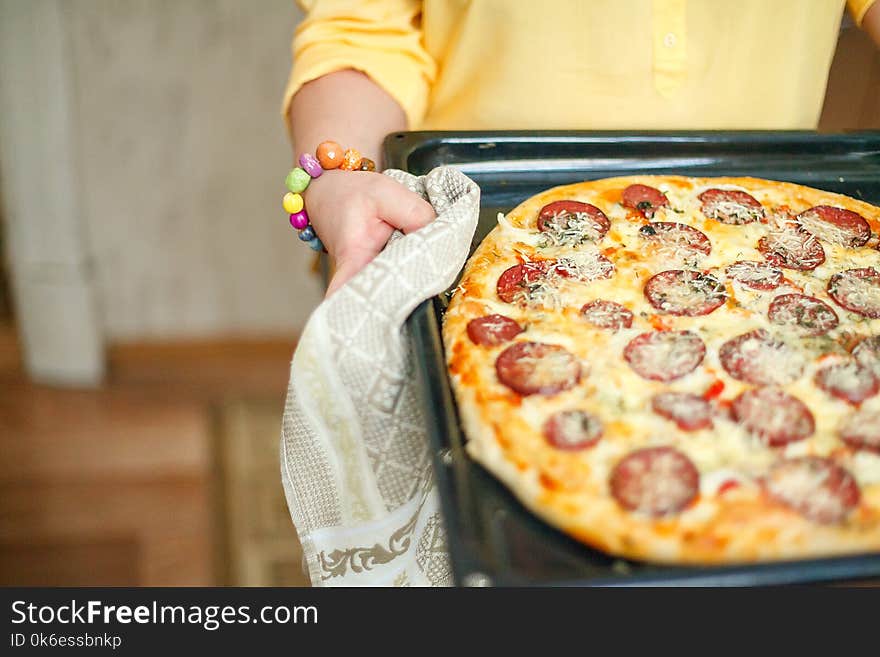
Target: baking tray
<point>492,538</point>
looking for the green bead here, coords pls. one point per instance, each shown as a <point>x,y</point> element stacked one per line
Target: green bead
<point>297,180</point>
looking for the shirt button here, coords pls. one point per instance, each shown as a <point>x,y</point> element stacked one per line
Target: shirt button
<point>669,40</point>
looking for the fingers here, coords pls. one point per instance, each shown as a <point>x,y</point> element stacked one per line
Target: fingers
<point>366,209</point>
<point>398,206</point>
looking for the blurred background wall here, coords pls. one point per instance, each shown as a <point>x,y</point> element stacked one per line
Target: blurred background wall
<point>146,134</point>
<point>142,170</point>
<point>182,158</point>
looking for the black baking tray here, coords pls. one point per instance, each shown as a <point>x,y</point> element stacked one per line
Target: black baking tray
<point>492,538</point>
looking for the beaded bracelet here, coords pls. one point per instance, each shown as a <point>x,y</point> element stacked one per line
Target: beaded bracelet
<point>329,155</point>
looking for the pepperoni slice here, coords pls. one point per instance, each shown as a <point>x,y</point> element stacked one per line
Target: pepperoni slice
<point>810,315</point>
<point>774,416</point>
<point>572,222</point>
<point>862,430</point>
<point>607,315</point>
<point>857,290</point>
<point>515,283</point>
<point>792,247</point>
<point>689,412</point>
<point>731,206</point>
<point>664,355</point>
<point>531,368</point>
<point>572,430</point>
<point>655,480</point>
<point>757,358</point>
<point>645,199</point>
<point>491,330</point>
<point>755,275</point>
<point>815,487</point>
<point>848,381</point>
<point>674,241</point>
<point>867,354</point>
<point>836,225</point>
<point>687,293</point>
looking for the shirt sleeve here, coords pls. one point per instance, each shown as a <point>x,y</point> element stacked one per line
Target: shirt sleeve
<point>858,9</point>
<point>381,38</point>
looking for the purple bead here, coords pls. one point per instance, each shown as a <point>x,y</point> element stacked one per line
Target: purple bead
<point>310,163</point>
<point>299,220</point>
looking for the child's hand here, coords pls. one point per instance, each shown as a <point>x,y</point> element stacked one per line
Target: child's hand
<point>354,214</point>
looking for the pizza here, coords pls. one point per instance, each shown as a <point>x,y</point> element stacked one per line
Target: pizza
<point>679,370</point>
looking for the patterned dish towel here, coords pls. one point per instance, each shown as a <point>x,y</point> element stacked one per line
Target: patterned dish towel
<point>354,451</point>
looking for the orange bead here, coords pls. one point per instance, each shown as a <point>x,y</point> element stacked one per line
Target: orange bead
<point>329,154</point>
<point>351,160</point>
<point>367,165</point>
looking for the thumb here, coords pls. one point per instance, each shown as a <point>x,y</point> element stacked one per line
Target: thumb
<point>398,206</point>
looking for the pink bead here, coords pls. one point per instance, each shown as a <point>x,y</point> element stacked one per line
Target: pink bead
<point>299,220</point>
<point>310,163</point>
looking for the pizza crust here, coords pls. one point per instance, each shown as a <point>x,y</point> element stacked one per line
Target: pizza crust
<point>569,489</point>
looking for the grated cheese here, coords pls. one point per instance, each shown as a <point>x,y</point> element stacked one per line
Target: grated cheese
<point>677,243</point>
<point>738,212</point>
<point>569,229</point>
<point>586,266</point>
<point>789,241</point>
<point>858,292</point>
<point>825,230</point>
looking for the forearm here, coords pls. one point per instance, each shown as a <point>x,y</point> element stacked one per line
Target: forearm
<point>871,23</point>
<point>346,107</point>
<point>353,212</point>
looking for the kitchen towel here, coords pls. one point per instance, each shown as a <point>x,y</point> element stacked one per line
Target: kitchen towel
<point>355,459</point>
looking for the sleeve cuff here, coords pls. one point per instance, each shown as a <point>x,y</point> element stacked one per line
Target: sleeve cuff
<point>858,9</point>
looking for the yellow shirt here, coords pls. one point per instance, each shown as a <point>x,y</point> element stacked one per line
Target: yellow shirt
<point>582,64</point>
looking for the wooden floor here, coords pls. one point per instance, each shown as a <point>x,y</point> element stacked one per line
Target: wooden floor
<point>167,475</point>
